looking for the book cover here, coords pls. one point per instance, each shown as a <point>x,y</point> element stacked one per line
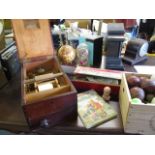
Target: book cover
<point>93,110</point>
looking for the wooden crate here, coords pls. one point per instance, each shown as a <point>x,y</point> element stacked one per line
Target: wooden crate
<point>35,49</point>
<point>137,118</point>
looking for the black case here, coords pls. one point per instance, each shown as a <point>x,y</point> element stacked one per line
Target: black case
<point>56,40</point>
<point>9,60</point>
<point>114,42</point>
<point>116,29</point>
<point>96,44</point>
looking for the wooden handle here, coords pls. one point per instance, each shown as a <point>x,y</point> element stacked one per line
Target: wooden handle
<point>43,77</point>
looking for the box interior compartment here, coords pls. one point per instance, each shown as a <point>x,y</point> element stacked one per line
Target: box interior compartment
<point>86,82</point>
<point>36,89</point>
<point>138,75</point>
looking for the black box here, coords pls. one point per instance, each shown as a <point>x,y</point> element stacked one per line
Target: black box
<point>9,60</point>
<point>56,40</point>
<point>114,43</point>
<point>116,29</point>
<point>114,46</point>
<point>95,50</point>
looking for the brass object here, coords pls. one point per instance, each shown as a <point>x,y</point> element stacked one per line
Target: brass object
<point>44,77</point>
<point>42,82</point>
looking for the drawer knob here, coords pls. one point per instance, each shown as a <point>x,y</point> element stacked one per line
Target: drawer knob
<point>45,123</point>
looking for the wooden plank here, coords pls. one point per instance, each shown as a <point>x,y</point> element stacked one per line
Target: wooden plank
<point>146,108</point>
<point>124,100</point>
<point>140,115</point>
<point>140,127</point>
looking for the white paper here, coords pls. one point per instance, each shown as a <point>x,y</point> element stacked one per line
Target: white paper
<point>145,69</point>
<point>96,26</point>
<point>45,86</point>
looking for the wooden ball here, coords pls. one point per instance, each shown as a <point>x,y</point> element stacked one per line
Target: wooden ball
<point>133,81</point>
<point>148,85</point>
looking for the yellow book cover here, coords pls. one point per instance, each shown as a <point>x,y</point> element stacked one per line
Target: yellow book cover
<point>93,110</point>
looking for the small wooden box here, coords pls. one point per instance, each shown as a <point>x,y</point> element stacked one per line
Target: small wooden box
<point>35,49</point>
<point>137,118</point>
<point>84,85</point>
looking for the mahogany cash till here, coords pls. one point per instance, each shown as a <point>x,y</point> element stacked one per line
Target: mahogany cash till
<point>48,96</point>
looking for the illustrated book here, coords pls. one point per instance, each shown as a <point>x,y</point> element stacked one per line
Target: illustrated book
<point>93,110</point>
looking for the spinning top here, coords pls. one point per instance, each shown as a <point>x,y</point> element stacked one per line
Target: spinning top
<point>106,93</point>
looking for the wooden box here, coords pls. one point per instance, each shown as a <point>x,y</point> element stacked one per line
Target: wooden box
<point>47,93</point>
<point>137,118</point>
<point>78,79</point>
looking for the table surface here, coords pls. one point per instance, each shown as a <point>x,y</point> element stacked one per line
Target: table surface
<point>12,117</point>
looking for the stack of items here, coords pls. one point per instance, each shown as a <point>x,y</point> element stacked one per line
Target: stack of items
<point>3,79</point>
<point>77,46</point>
<point>10,61</point>
<point>98,87</point>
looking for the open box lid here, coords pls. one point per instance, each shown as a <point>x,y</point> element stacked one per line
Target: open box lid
<point>33,38</point>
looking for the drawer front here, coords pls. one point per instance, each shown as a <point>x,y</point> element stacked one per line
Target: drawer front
<point>39,111</point>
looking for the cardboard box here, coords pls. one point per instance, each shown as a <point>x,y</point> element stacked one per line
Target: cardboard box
<point>43,105</point>
<point>137,118</point>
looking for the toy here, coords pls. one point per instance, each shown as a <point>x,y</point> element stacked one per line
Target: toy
<point>133,81</point>
<point>137,92</point>
<point>106,93</point>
